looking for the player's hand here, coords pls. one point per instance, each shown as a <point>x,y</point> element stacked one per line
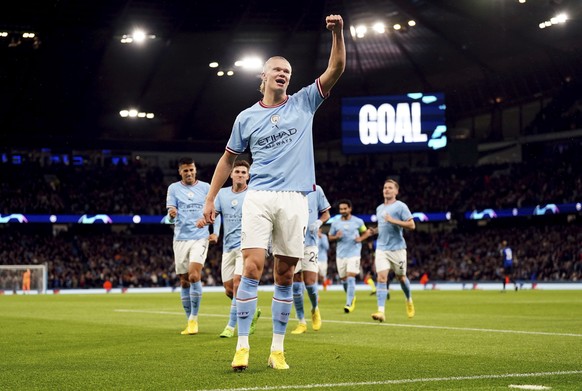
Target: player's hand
<point>314,227</point>
<point>388,218</point>
<point>213,239</point>
<point>172,212</point>
<point>208,212</point>
<point>334,23</point>
<point>200,223</point>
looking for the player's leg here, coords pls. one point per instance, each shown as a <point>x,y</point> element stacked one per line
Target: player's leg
<point>310,278</point>
<point>310,271</point>
<point>382,270</point>
<point>342,271</point>
<point>227,273</point>
<point>256,232</point>
<point>353,269</point>
<point>197,257</point>
<point>181,265</point>
<point>298,288</point>
<point>281,308</point>
<point>288,238</point>
<point>397,260</point>
<point>322,272</point>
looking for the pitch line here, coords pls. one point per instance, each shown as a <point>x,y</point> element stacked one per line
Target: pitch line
<point>418,326</point>
<point>401,381</point>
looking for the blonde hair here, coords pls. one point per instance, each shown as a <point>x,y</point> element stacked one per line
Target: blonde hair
<point>389,180</point>
<point>262,85</point>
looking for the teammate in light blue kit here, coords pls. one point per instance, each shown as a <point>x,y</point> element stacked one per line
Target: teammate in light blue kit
<point>228,205</point>
<point>307,270</point>
<point>278,132</point>
<point>349,232</point>
<point>322,257</point>
<point>393,217</point>
<point>184,202</point>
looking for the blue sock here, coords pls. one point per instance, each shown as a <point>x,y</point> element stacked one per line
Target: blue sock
<point>345,285</point>
<point>351,292</point>
<point>312,293</point>
<point>281,307</point>
<point>195,297</point>
<point>406,288</point>
<point>185,296</point>
<point>232,318</point>
<point>298,299</point>
<point>381,293</point>
<point>246,304</point>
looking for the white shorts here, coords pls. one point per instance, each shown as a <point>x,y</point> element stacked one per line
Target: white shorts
<point>322,268</point>
<point>309,261</point>
<point>278,215</point>
<point>391,260</point>
<point>188,251</point>
<point>232,264</point>
<point>348,265</point>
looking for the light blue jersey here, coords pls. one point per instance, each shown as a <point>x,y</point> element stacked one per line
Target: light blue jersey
<point>280,140</point>
<point>347,247</point>
<point>189,200</point>
<point>317,204</point>
<point>390,236</point>
<point>322,248</point>
<point>229,205</point>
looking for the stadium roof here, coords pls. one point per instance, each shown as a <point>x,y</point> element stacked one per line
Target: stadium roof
<point>75,76</point>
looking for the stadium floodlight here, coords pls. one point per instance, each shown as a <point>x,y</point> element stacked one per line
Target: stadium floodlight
<point>250,63</point>
<point>213,64</point>
<point>11,278</point>
<point>361,31</point>
<point>379,27</point>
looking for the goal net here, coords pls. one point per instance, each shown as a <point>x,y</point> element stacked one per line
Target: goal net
<point>14,278</point>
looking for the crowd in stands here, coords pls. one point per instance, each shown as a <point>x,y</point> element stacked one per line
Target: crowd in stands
<point>86,260</point>
<point>134,189</point>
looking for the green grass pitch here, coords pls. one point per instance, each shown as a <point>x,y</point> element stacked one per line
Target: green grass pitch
<point>459,340</point>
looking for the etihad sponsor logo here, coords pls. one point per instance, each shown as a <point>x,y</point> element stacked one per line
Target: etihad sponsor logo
<point>277,139</point>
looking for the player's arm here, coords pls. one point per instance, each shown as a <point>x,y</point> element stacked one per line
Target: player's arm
<point>314,227</point>
<point>221,174</point>
<point>408,224</point>
<point>334,235</point>
<point>364,233</point>
<point>337,56</point>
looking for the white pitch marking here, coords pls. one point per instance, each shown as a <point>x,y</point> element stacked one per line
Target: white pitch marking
<point>529,387</point>
<point>402,381</point>
<point>387,324</point>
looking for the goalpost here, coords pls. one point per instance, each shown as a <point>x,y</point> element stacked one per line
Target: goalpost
<point>12,278</point>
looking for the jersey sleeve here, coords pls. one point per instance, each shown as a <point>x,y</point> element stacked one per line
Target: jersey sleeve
<point>238,142</point>
<point>171,197</point>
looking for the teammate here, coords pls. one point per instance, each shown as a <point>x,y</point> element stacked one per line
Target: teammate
<point>507,255</point>
<point>393,217</point>
<point>349,232</point>
<point>228,205</point>
<point>184,203</point>
<point>307,270</point>
<point>278,132</point>
<point>322,257</point>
